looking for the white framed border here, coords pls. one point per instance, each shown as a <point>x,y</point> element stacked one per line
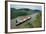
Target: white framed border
<point>25,29</point>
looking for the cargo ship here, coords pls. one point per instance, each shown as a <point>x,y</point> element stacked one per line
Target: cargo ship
<point>22,19</point>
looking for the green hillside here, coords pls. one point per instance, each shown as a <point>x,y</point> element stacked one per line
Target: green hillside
<point>22,12</point>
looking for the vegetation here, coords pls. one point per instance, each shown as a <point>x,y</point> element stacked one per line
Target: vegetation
<point>22,12</point>
<point>37,23</point>
<point>28,25</point>
<point>17,12</point>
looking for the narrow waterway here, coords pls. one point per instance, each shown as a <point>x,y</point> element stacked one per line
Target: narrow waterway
<point>13,24</point>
